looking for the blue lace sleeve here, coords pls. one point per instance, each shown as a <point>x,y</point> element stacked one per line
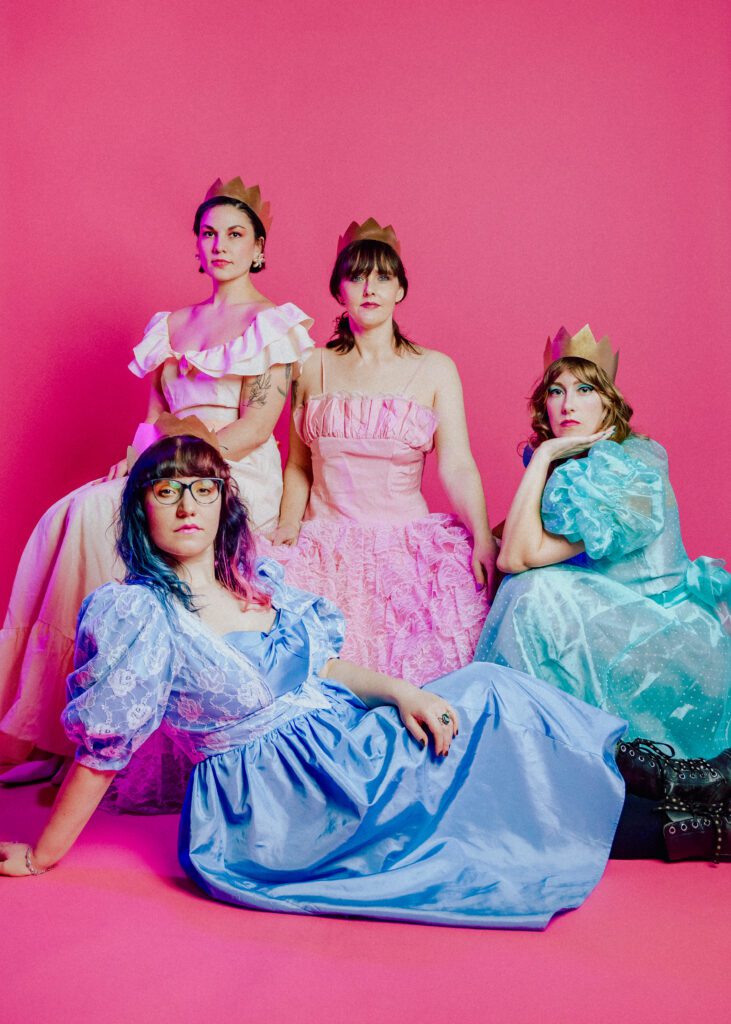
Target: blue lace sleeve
<point>612,500</point>
<point>121,681</point>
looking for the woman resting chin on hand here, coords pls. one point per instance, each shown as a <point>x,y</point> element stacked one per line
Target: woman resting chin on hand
<point>604,601</point>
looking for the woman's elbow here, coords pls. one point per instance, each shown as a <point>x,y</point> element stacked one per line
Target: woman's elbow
<point>508,563</point>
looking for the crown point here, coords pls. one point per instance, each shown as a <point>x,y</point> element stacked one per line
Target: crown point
<point>235,189</point>
<point>583,345</point>
<point>369,229</point>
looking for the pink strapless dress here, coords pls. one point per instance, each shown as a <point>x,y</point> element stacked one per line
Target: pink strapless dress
<point>402,577</point>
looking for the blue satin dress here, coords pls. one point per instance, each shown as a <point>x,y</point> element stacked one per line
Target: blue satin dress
<point>303,800</point>
<point>632,626</point>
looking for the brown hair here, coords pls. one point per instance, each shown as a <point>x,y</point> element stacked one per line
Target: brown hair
<point>358,258</point>
<point>617,412</point>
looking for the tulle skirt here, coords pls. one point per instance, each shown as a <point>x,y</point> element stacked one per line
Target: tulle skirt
<point>411,605</point>
<point>665,669</point>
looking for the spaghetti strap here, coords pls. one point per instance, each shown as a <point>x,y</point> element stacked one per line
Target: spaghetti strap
<point>412,378</point>
<point>323,386</point>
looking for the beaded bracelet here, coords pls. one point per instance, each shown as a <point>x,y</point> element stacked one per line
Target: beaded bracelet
<point>29,863</point>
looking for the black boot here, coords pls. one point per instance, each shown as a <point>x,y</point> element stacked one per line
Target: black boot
<point>651,773</point>
<point>700,833</point>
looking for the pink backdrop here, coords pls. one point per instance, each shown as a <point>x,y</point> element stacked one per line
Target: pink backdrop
<point>543,163</point>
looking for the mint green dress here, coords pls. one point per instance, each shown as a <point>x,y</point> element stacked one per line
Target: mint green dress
<point>632,626</point>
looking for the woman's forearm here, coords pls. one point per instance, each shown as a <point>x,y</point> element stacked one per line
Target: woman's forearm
<point>241,438</point>
<point>525,544</point>
<point>296,494</point>
<point>464,489</point>
<point>523,530</point>
<point>373,688</point>
<point>262,401</point>
<point>77,800</point>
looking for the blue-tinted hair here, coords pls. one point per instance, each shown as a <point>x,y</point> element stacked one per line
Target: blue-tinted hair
<point>233,547</point>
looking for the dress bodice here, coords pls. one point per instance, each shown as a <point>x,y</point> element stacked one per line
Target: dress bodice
<point>139,665</point>
<point>280,655</point>
<point>367,455</point>
<point>208,382</point>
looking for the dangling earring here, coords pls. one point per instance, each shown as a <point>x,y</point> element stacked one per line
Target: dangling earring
<point>259,260</point>
<point>200,269</point>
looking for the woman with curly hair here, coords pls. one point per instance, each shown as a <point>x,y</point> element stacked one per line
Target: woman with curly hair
<point>603,600</point>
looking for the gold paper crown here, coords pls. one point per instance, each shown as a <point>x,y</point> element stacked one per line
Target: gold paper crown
<point>369,229</point>
<point>235,189</point>
<point>585,346</point>
<point>167,425</point>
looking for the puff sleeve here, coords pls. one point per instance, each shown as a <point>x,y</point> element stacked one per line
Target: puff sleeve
<point>612,500</point>
<point>324,620</point>
<point>118,691</point>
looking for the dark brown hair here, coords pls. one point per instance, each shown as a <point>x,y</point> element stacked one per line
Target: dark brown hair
<point>234,550</point>
<point>259,229</point>
<point>360,259</point>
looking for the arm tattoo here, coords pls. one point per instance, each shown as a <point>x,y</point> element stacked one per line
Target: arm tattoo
<point>258,390</point>
<point>287,375</point>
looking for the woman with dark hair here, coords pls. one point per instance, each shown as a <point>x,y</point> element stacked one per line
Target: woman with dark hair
<point>604,601</point>
<point>227,360</point>
<point>487,798</point>
<point>413,586</point>
<point>303,799</point>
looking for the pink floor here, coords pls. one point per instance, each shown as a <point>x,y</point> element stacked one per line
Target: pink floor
<point>117,934</point>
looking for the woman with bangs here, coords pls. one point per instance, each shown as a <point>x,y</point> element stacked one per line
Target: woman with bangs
<point>320,786</point>
<point>603,600</point>
<point>353,524</point>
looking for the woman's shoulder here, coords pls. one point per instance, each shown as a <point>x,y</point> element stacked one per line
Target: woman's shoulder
<point>436,367</point>
<point>646,449</point>
<point>435,359</point>
<point>310,375</point>
<point>123,600</point>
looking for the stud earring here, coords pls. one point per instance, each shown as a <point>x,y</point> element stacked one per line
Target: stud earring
<point>259,260</point>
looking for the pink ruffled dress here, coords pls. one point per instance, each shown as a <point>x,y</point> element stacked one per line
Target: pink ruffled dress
<point>401,576</point>
<point>71,550</point>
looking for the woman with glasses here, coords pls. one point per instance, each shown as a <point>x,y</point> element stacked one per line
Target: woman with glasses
<point>483,799</point>
<point>487,798</point>
<point>227,360</point>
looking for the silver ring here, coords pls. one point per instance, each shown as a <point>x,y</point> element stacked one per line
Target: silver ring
<point>446,718</point>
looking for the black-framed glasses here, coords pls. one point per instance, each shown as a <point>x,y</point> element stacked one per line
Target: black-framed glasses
<point>169,491</point>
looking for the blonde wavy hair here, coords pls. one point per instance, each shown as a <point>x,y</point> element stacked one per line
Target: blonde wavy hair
<point>617,412</point>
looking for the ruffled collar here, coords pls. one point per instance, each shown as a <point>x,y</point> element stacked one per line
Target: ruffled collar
<point>269,327</point>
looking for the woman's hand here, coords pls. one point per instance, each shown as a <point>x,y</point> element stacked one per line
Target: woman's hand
<point>484,569</point>
<point>420,711</point>
<point>119,469</point>
<point>13,862</point>
<point>286,534</point>
<point>564,447</point>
